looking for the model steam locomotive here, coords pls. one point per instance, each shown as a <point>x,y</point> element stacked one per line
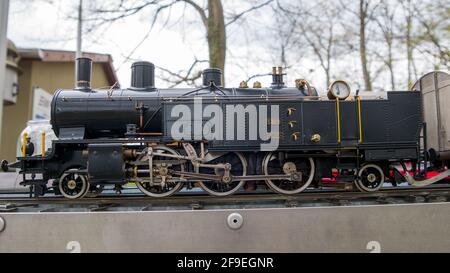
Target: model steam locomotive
<point>222,139</point>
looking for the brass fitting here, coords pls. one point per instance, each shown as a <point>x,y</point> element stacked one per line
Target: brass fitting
<point>277,70</point>
<point>291,111</point>
<point>299,83</point>
<point>85,154</point>
<point>292,123</point>
<point>315,138</point>
<point>296,136</point>
<point>243,84</point>
<point>129,153</point>
<point>257,84</point>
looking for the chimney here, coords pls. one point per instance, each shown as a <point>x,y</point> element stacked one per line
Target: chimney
<point>212,76</point>
<point>83,71</point>
<point>277,77</point>
<point>142,76</point>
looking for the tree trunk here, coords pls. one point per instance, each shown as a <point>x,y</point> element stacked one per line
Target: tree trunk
<point>390,61</point>
<point>216,35</point>
<point>409,50</point>
<point>329,53</point>
<point>363,6</point>
<point>391,70</point>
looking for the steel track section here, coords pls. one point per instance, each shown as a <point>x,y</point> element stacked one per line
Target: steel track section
<point>259,200</point>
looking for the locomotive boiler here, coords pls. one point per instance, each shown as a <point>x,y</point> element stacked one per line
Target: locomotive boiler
<point>225,139</point>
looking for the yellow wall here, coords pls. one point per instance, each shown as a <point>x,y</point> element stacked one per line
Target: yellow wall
<point>49,76</point>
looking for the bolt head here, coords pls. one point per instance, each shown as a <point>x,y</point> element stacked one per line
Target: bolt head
<point>372,178</point>
<point>2,224</point>
<point>235,221</point>
<point>226,179</point>
<point>72,184</point>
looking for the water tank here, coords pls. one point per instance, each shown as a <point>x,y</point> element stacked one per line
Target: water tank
<point>435,88</point>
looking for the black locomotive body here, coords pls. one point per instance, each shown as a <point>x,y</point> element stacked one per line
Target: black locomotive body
<point>289,138</point>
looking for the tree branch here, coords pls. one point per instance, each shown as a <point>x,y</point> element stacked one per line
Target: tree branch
<point>200,10</point>
<point>188,77</point>
<point>239,15</point>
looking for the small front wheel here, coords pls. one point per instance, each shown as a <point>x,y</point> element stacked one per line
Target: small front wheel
<point>73,185</point>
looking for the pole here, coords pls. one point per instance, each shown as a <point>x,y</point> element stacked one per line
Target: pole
<point>4,8</point>
<point>80,30</point>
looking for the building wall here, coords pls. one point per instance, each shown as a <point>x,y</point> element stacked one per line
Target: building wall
<point>49,76</point>
<point>15,116</point>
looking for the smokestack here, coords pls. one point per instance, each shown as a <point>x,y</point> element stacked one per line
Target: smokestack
<point>212,76</point>
<point>142,76</point>
<point>83,71</point>
<point>277,77</point>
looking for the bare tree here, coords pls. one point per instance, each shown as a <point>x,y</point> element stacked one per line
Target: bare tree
<point>364,15</point>
<point>376,33</point>
<point>426,34</point>
<point>360,39</point>
<point>321,38</point>
<point>409,39</point>
<point>385,19</point>
<point>211,15</point>
<point>434,19</point>
<point>316,26</point>
<point>215,30</point>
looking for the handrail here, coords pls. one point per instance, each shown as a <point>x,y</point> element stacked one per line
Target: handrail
<point>358,99</point>
<point>338,117</point>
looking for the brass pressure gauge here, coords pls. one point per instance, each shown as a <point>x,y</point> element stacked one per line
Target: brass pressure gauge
<point>339,89</point>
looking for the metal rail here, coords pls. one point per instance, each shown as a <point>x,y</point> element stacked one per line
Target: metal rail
<point>258,200</point>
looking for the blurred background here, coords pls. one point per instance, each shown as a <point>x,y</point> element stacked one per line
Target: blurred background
<point>372,44</point>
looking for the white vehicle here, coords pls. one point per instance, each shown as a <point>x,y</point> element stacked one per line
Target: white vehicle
<point>10,181</point>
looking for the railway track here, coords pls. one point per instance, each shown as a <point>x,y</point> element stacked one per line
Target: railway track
<point>256,200</point>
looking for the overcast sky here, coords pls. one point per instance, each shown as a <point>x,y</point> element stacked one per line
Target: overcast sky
<point>250,49</point>
<point>44,24</point>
